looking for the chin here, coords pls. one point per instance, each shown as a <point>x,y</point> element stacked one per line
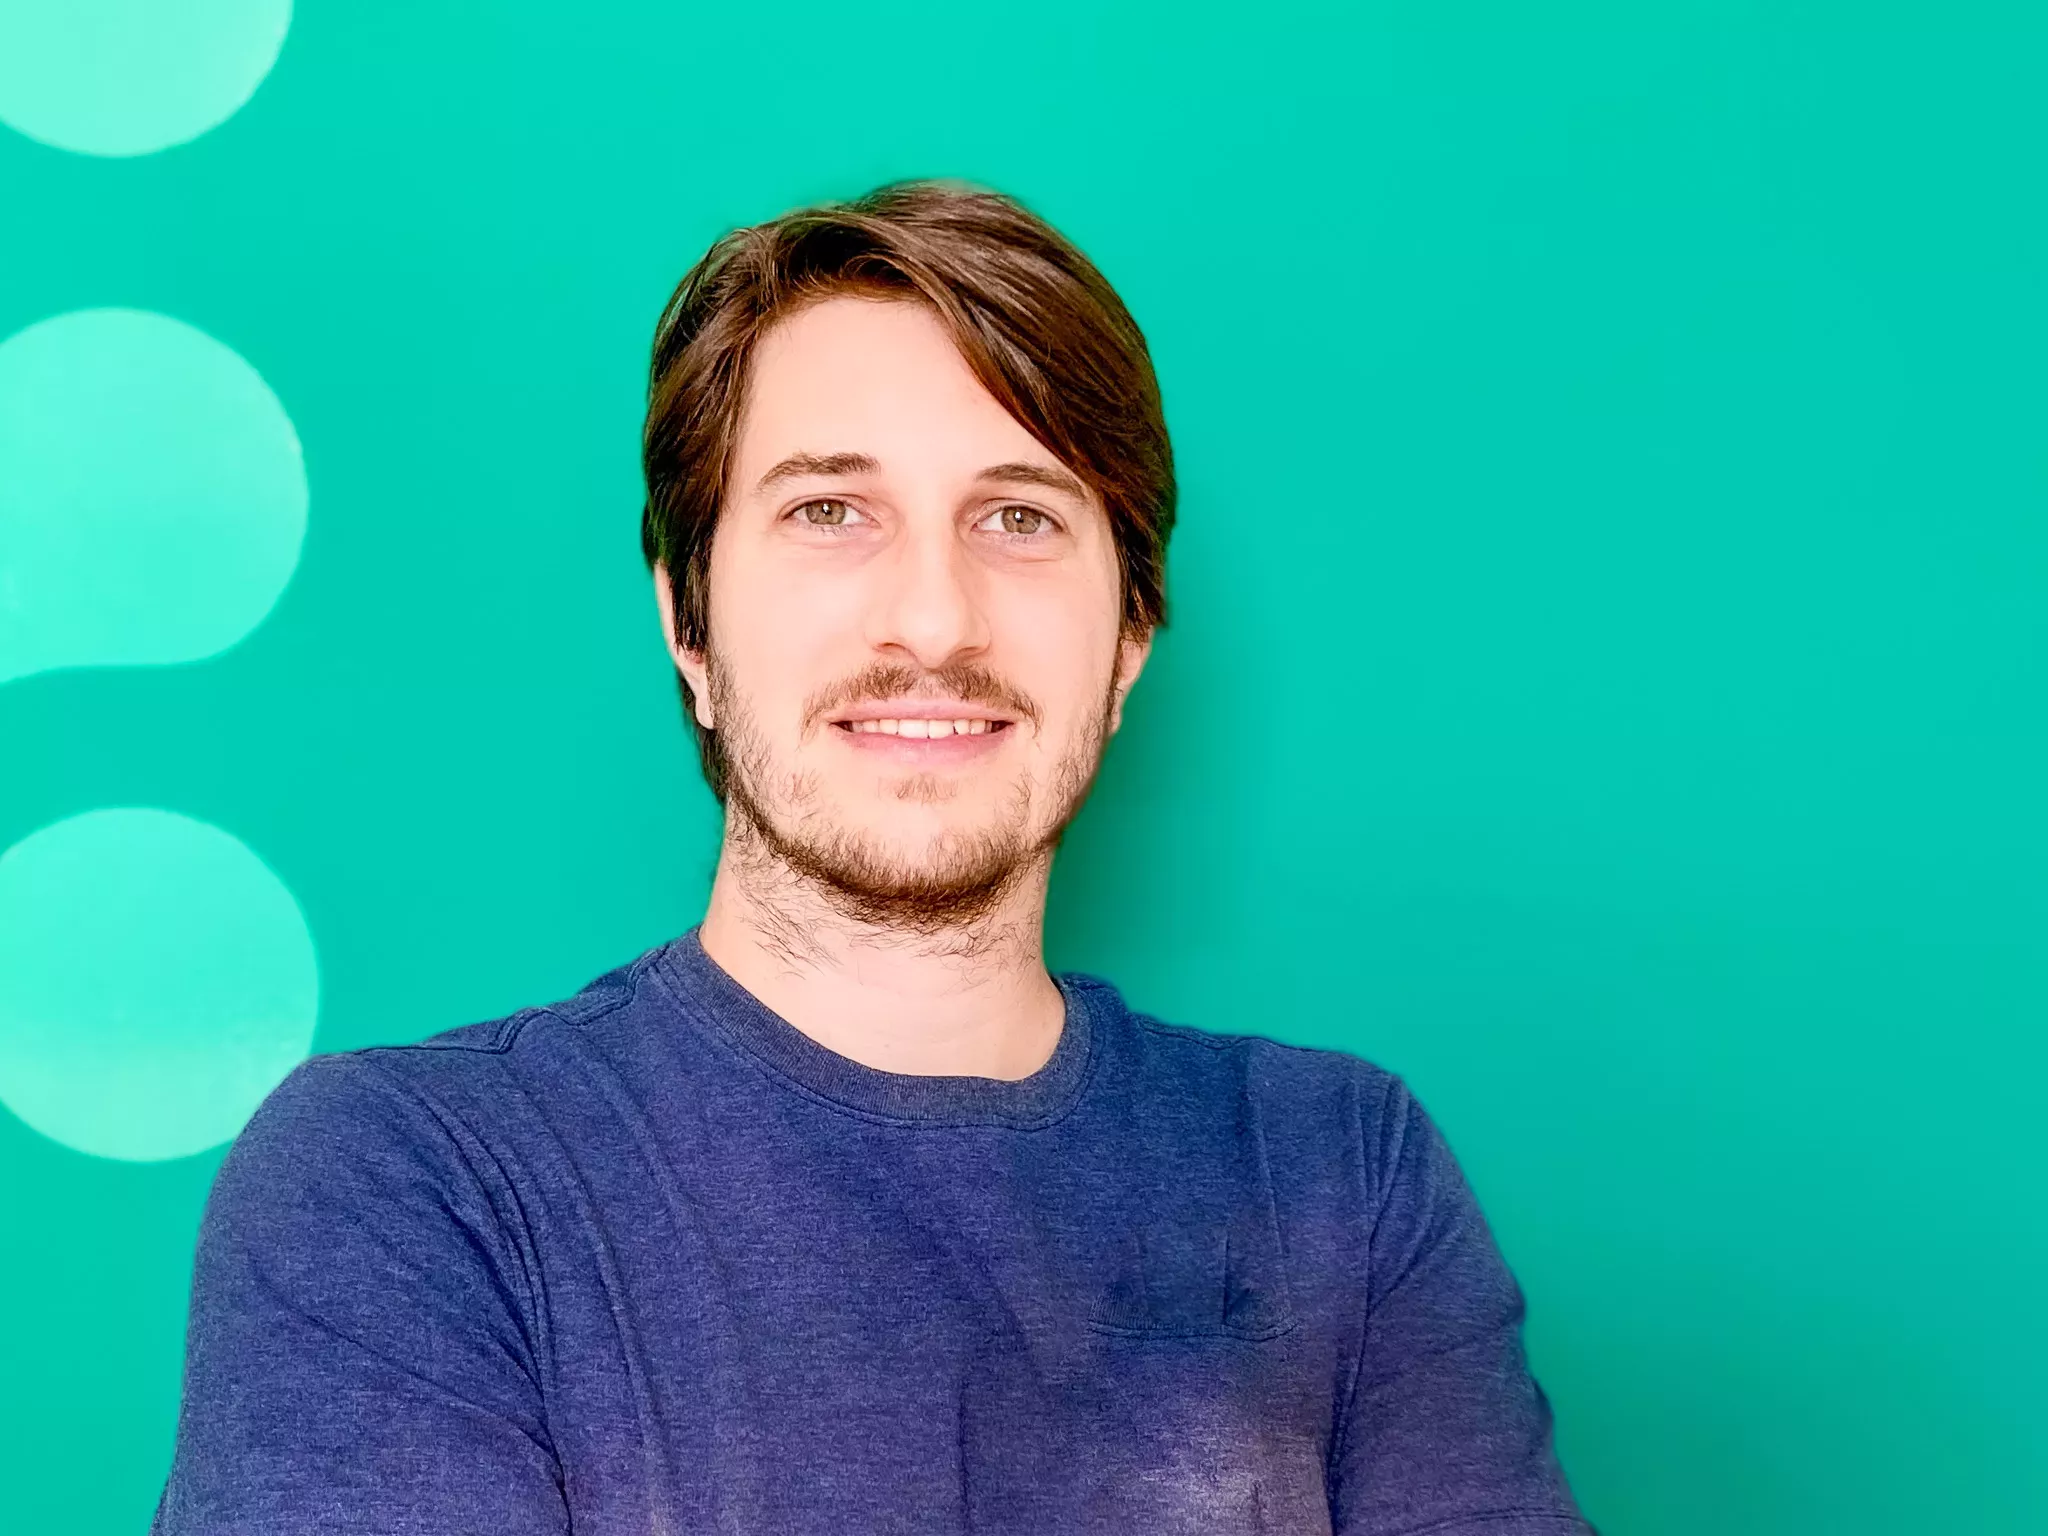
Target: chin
<point>928,884</point>
<point>932,848</point>
<point>921,851</point>
<point>926,842</point>
<point>911,812</point>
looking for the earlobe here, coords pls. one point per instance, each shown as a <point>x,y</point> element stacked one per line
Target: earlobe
<point>689,663</point>
<point>1131,654</point>
<point>692,665</point>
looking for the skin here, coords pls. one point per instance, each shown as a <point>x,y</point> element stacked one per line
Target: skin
<point>895,545</point>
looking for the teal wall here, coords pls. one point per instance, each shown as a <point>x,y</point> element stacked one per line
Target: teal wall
<point>1606,681</point>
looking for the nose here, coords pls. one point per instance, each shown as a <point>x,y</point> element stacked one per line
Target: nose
<point>929,607</point>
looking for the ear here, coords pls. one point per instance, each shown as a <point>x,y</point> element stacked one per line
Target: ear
<point>1130,661</point>
<point>689,663</point>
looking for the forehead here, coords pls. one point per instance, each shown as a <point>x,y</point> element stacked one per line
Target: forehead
<point>875,376</point>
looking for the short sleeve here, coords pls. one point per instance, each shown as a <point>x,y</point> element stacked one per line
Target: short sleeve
<point>1445,1430</point>
<point>356,1359</point>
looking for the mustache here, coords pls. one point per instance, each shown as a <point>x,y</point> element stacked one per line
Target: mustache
<point>962,680</point>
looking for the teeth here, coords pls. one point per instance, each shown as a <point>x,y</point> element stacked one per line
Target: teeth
<point>923,729</point>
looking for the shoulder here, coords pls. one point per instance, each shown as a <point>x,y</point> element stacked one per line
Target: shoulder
<point>1315,1093</point>
<point>408,1147</point>
<point>622,989</point>
<point>478,1060</point>
<point>1252,1053</point>
<point>389,1108</point>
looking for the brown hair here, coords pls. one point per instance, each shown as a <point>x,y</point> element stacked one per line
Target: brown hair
<point>1039,326</point>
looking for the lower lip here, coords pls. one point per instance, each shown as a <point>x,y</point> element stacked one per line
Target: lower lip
<point>925,751</point>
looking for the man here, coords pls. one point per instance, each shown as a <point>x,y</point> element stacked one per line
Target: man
<point>839,1213</point>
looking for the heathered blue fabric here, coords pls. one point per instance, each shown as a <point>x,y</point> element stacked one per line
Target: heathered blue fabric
<point>651,1262</point>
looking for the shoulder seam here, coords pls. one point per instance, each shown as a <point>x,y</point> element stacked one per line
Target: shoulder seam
<point>507,1028</point>
<point>1214,1040</point>
<point>628,989</point>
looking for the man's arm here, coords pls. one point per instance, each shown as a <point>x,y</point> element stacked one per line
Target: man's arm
<point>356,1359</point>
<point>1445,1431</point>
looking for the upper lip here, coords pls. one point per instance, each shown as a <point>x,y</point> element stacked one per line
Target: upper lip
<point>921,709</point>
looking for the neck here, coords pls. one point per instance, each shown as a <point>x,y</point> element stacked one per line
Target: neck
<point>972,999</point>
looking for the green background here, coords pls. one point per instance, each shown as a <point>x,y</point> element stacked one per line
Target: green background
<point>1605,681</point>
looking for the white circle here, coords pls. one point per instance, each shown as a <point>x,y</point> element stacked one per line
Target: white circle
<point>128,77</point>
<point>156,982</point>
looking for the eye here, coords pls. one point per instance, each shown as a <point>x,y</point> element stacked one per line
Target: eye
<point>1019,520</point>
<point>828,512</point>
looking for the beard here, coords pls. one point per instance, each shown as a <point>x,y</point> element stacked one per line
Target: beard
<point>775,817</point>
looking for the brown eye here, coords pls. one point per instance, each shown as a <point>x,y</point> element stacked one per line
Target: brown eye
<point>1021,520</point>
<point>827,514</point>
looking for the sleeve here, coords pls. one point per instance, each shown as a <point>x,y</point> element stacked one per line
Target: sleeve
<point>355,1358</point>
<point>1444,1431</point>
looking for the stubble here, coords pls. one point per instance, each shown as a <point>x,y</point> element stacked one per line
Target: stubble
<point>785,845</point>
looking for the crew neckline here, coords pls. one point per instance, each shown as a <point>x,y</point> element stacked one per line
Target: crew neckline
<point>1026,1103</point>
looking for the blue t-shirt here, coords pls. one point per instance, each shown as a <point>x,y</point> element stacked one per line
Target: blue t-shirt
<point>652,1262</point>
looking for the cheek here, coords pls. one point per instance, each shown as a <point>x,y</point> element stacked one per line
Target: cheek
<point>1060,647</point>
<point>779,636</point>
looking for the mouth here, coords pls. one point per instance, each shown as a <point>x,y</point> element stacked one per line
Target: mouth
<point>927,731</point>
<point>920,729</point>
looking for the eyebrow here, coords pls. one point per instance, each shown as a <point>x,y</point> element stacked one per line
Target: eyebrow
<point>799,465</point>
<point>1037,474</point>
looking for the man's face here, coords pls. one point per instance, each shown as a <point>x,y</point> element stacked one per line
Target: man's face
<point>915,657</point>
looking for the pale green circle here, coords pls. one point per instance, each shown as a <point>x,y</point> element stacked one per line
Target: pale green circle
<point>126,77</point>
<point>152,493</point>
<point>156,982</point>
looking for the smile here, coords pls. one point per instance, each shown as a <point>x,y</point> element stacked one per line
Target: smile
<point>924,734</point>
<point>915,728</point>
